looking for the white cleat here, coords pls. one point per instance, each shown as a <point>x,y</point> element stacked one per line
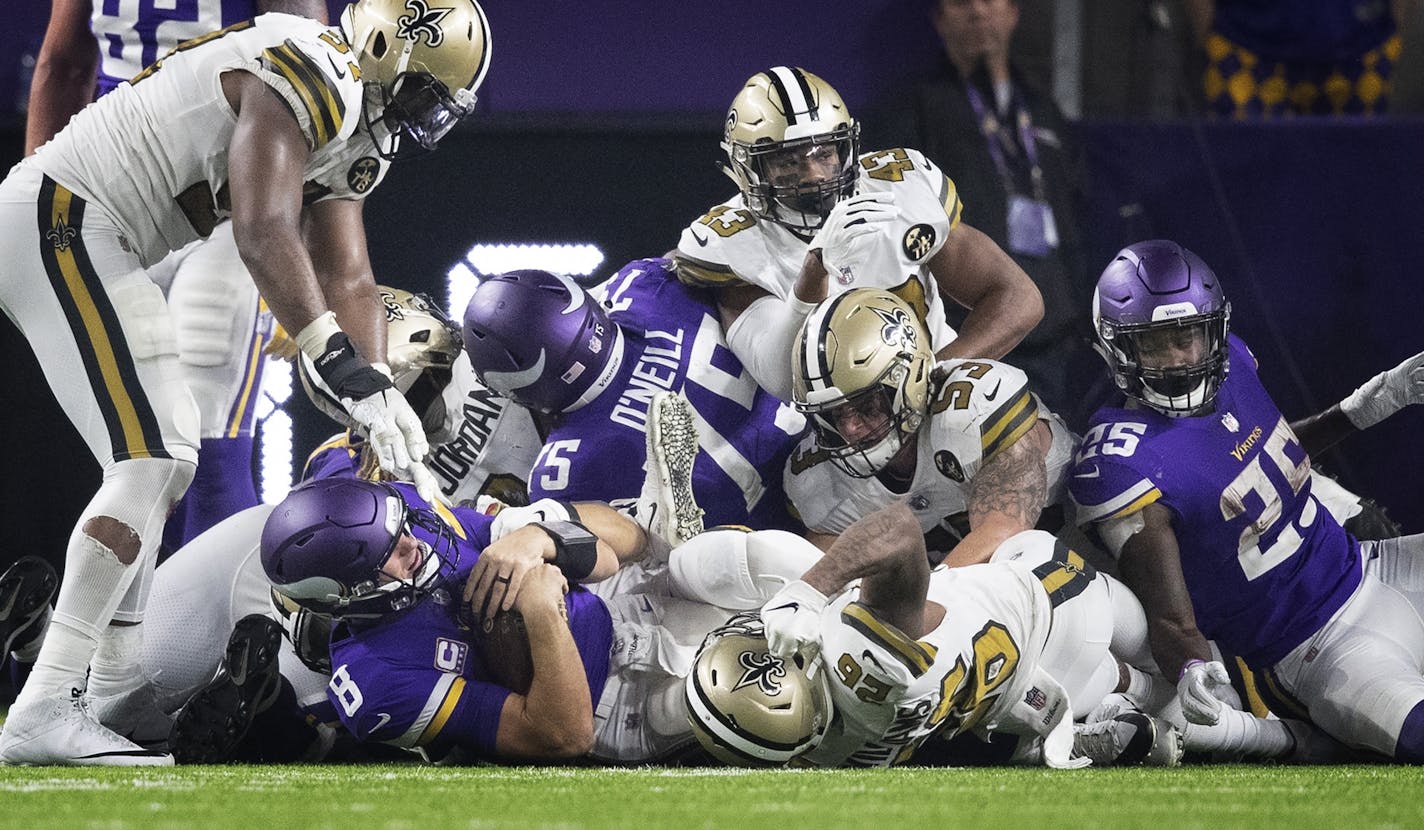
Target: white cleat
<point>62,732</point>
<point>667,507</point>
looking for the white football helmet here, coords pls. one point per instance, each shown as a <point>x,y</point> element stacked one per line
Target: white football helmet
<point>750,708</point>
<point>421,346</point>
<point>792,146</point>
<point>421,62</point>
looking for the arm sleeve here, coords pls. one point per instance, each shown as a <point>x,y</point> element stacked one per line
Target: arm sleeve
<point>761,337</point>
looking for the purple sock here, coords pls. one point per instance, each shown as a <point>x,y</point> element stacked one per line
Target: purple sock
<point>1409,749</point>
<point>222,486</point>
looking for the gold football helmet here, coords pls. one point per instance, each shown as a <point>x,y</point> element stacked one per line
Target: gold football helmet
<point>793,145</point>
<point>421,347</point>
<point>421,62</point>
<point>749,708</point>
<point>861,371</point>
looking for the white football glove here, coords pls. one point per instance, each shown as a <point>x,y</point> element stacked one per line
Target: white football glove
<point>851,227</point>
<point>510,519</point>
<point>1196,690</point>
<point>792,618</point>
<point>393,431</point>
<point>1386,393</point>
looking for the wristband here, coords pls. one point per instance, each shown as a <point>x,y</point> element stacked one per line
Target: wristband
<point>572,511</point>
<point>575,548</point>
<point>1187,666</point>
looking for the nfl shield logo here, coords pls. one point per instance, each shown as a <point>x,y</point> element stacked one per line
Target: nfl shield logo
<point>1036,698</point>
<point>1229,421</point>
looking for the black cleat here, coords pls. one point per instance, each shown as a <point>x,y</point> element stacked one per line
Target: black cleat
<point>26,589</point>
<point>214,721</point>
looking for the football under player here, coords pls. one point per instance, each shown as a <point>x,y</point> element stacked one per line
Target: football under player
<point>589,369</point>
<point>283,125</point>
<point>410,582</point>
<point>964,443</point>
<point>813,216</point>
<point>221,326</point>
<point>1203,491</point>
<point>902,653</point>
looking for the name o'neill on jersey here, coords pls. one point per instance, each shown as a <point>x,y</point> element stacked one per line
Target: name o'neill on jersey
<point>656,370</point>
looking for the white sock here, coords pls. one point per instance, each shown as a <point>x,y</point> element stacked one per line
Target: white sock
<point>115,667</point>
<point>1240,733</point>
<point>1149,691</point>
<point>62,662</point>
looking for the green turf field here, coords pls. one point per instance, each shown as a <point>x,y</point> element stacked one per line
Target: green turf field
<point>414,798</point>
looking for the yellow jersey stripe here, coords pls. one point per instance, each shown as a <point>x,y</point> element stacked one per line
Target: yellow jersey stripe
<point>319,96</point>
<point>700,274</point>
<point>953,207</point>
<point>254,365</point>
<point>888,637</point>
<point>133,430</point>
<point>1012,420</point>
<point>1254,702</point>
<point>447,708</point>
<point>1135,505</point>
<point>1281,702</point>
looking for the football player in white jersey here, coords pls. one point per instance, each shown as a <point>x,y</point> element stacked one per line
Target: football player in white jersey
<point>283,125</point>
<point>222,326</point>
<point>814,217</point>
<point>964,443</point>
<point>902,653</point>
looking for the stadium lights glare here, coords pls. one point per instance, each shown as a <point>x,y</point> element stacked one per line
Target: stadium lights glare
<point>573,259</point>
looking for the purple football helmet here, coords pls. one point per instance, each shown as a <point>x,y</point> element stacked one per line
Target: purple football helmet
<point>326,544</point>
<point>540,340</point>
<point>1161,320</point>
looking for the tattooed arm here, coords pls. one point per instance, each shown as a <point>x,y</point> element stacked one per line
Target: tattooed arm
<point>1005,497</point>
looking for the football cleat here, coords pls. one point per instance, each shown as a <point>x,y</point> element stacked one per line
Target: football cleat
<point>135,714</point>
<point>26,589</point>
<point>1128,739</point>
<point>667,507</point>
<point>59,731</point>
<point>215,720</point>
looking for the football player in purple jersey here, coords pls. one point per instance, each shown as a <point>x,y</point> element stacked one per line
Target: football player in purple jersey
<point>589,369</point>
<point>410,581</point>
<point>1202,490</point>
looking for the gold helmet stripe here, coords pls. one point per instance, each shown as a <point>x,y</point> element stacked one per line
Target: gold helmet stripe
<point>795,93</point>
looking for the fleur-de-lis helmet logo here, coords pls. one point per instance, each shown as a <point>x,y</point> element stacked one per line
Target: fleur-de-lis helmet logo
<point>898,330</point>
<point>762,670</point>
<point>422,20</point>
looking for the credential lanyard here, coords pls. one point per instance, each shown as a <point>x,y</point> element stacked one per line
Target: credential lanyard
<point>994,134</point>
